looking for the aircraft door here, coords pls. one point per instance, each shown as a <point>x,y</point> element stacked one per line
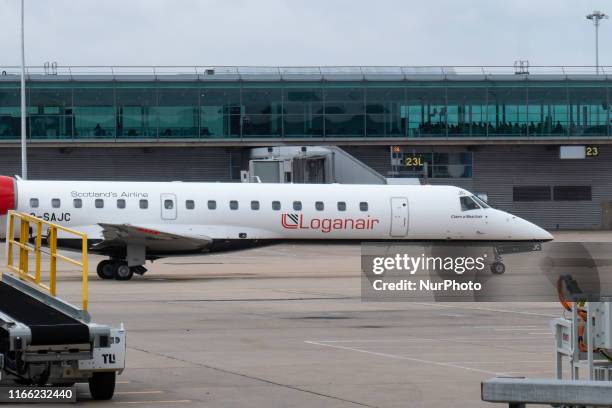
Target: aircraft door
<point>399,216</point>
<point>168,206</point>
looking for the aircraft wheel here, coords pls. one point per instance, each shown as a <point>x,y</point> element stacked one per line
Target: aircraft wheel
<point>498,268</point>
<point>102,385</point>
<point>105,269</point>
<point>122,271</point>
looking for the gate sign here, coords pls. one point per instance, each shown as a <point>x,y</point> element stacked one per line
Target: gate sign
<point>572,152</point>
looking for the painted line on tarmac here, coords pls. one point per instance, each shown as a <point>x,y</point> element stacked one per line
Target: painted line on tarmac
<point>532,372</point>
<point>138,392</point>
<point>516,329</point>
<point>247,300</point>
<point>420,339</point>
<point>366,340</point>
<point>254,378</point>
<point>185,401</point>
<point>487,309</point>
<point>504,362</point>
<point>504,327</point>
<point>398,357</point>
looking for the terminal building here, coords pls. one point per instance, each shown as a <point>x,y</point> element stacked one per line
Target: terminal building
<point>498,132</point>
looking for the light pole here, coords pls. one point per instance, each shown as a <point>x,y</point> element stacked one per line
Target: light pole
<point>596,16</point>
<point>24,157</point>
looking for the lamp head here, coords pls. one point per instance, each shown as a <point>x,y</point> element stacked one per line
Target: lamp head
<point>597,15</point>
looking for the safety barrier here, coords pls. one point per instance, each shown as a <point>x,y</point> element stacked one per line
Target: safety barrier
<point>33,226</point>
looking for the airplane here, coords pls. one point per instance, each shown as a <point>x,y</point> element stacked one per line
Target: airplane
<point>134,222</point>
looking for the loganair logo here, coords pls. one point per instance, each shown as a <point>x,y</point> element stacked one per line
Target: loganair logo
<point>326,225</point>
<point>290,221</point>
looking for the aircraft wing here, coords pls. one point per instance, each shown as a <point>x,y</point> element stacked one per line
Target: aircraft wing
<point>167,239</point>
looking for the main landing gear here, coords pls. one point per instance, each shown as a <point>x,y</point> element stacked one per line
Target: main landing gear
<point>118,269</point>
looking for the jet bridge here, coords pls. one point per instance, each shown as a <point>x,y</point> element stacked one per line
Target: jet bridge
<point>308,164</point>
<point>43,339</point>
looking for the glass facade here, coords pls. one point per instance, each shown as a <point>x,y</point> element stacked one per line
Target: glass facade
<point>160,110</point>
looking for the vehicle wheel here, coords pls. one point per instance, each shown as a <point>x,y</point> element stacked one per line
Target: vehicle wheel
<point>105,269</point>
<point>122,271</point>
<point>102,385</point>
<point>498,268</point>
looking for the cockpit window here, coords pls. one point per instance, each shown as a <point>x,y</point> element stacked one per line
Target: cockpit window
<point>468,204</point>
<point>480,201</point>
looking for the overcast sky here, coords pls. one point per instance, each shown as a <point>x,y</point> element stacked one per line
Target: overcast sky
<point>305,32</point>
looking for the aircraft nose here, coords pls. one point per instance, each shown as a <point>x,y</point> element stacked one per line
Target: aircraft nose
<point>540,234</point>
<point>530,231</point>
<point>519,229</point>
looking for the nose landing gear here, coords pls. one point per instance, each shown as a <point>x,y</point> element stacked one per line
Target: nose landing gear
<point>498,268</point>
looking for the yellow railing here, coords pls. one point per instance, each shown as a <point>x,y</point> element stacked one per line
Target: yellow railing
<point>26,222</point>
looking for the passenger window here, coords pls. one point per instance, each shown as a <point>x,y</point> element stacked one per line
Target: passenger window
<point>121,203</point>
<point>99,203</point>
<point>55,202</point>
<point>276,205</point>
<point>34,202</point>
<point>255,205</point>
<point>297,205</point>
<point>363,206</point>
<point>341,206</point>
<point>77,203</point>
<point>144,204</point>
<point>190,204</point>
<point>319,205</point>
<point>468,204</point>
<point>168,204</point>
<point>212,205</point>
<point>233,205</point>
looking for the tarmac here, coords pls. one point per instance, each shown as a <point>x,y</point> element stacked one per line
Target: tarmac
<point>285,326</point>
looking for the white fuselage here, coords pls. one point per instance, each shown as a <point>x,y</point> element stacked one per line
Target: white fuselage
<point>328,211</point>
